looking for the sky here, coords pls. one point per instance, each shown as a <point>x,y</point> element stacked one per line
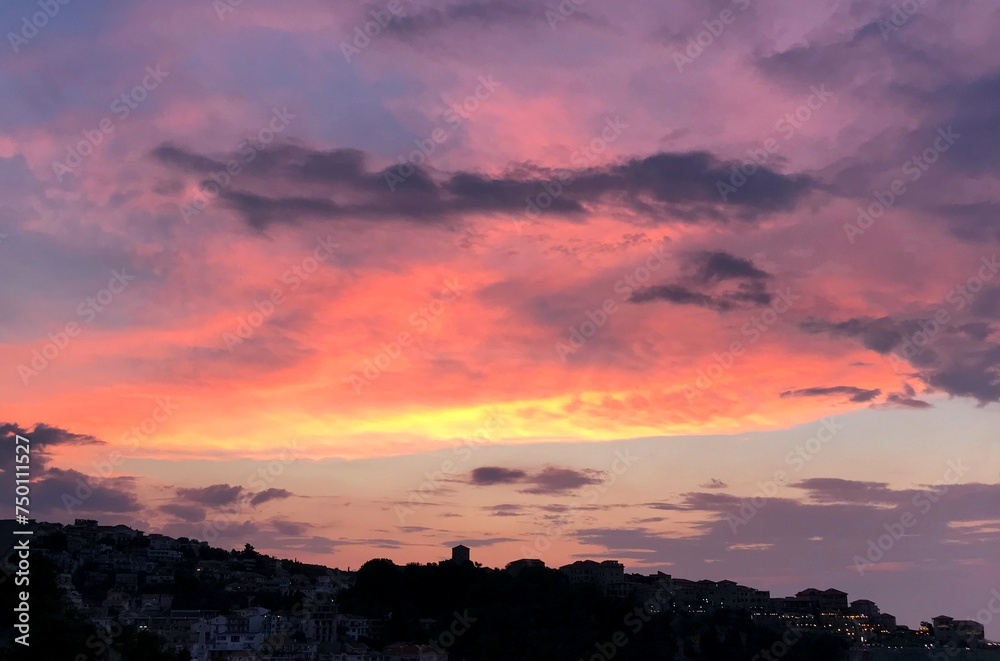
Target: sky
<point>708,287</point>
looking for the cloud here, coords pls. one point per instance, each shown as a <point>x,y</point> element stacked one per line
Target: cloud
<point>291,528</point>
<point>708,284</point>
<point>714,483</point>
<point>269,494</point>
<point>855,394</point>
<point>561,480</point>
<point>57,492</point>
<point>290,184</point>
<point>549,480</point>
<point>213,495</point>
<point>975,222</point>
<point>74,492</point>
<point>837,490</point>
<point>42,437</point>
<point>881,335</point>
<point>675,294</point>
<point>189,513</point>
<point>490,475</point>
<point>843,513</point>
<point>464,15</point>
<point>954,360</point>
<point>902,401</point>
<point>719,265</point>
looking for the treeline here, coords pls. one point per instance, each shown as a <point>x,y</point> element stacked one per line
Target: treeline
<point>479,614</point>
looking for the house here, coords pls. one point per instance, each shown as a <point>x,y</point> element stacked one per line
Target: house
<point>957,633</point>
<point>829,600</point>
<point>460,554</point>
<point>608,575</point>
<point>864,607</point>
<point>517,566</point>
<point>354,627</point>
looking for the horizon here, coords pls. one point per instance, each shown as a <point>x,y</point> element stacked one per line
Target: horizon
<point>477,563</point>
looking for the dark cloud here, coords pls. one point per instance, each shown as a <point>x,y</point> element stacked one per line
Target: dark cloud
<point>42,438</point>
<point>708,284</point>
<point>290,184</point>
<point>260,211</point>
<point>974,222</point>
<point>820,536</point>
<point>986,304</point>
<point>953,360</point>
<point>971,108</point>
<point>718,265</point>
<point>489,475</point>
<point>903,401</point>
<point>854,393</point>
<point>549,480</point>
<point>291,528</point>
<point>269,494</point>
<point>189,513</point>
<point>674,294</point>
<point>561,480</point>
<point>505,509</point>
<point>234,534</point>
<point>213,495</point>
<point>836,490</point>
<point>977,330</point>
<point>75,493</point>
<point>59,493</point>
<point>185,160</point>
<point>714,483</point>
<point>881,335</point>
<point>479,14</point>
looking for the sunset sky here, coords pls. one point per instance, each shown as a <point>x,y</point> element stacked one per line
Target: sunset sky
<point>708,287</point>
